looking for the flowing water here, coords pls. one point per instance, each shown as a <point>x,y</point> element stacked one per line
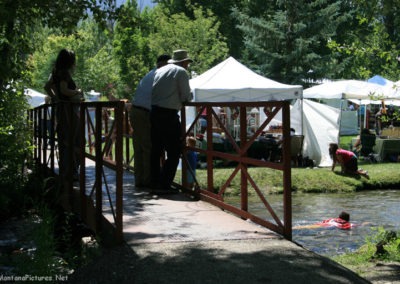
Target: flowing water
<point>368,210</point>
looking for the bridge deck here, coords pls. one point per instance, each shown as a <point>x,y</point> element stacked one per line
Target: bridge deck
<point>179,240</point>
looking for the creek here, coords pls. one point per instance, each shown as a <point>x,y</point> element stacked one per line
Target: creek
<point>368,210</point>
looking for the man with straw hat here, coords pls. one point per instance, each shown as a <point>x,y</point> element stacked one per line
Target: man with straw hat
<point>170,90</point>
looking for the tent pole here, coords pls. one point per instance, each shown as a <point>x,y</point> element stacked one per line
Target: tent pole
<point>365,117</point>
<point>301,116</point>
<point>340,118</point>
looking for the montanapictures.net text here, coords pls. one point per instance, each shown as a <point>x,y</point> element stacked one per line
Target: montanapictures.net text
<point>27,277</point>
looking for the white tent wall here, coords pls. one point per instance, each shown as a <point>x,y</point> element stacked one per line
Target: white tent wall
<point>349,123</point>
<point>348,119</point>
<point>320,127</point>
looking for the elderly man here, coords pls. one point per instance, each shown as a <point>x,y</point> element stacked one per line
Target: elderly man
<point>170,90</point>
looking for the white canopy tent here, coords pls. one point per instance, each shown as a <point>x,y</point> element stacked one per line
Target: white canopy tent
<point>92,96</point>
<point>231,81</point>
<point>390,92</point>
<point>34,98</point>
<point>330,120</point>
<point>347,89</point>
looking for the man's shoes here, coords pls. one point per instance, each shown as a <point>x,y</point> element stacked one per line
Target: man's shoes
<point>75,177</point>
<point>155,186</point>
<point>158,189</point>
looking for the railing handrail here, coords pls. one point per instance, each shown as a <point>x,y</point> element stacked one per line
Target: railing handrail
<point>121,114</point>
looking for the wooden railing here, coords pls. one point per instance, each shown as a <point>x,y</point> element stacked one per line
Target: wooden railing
<point>105,126</point>
<point>102,144</point>
<point>240,146</point>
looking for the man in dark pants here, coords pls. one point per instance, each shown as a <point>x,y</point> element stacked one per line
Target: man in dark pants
<point>170,90</point>
<point>140,121</point>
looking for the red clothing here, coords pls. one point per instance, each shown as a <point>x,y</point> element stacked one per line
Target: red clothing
<point>346,155</point>
<point>336,222</point>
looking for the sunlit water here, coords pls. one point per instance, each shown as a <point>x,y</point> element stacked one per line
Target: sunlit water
<point>368,211</point>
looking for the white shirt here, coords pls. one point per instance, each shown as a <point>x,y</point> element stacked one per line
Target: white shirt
<point>171,87</point>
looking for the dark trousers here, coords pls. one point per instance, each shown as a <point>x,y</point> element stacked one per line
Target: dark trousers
<point>165,137</point>
<point>68,138</point>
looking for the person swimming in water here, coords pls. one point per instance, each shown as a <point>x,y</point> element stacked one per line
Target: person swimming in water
<point>341,222</point>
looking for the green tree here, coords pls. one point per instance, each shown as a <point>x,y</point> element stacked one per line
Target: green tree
<point>131,46</point>
<point>18,20</point>
<point>96,68</point>
<point>387,12</point>
<point>287,40</point>
<point>200,36</point>
<point>222,11</point>
<point>370,47</point>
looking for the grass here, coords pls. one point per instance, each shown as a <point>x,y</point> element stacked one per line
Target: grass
<point>40,260</point>
<point>306,180</point>
<point>345,141</point>
<point>363,261</point>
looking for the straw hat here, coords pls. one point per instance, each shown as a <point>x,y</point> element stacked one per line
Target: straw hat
<point>180,56</point>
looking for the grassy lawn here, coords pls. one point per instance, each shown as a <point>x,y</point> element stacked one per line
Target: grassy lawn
<point>345,141</point>
<point>306,180</point>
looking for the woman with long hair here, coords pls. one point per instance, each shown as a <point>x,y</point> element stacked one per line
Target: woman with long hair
<point>67,113</point>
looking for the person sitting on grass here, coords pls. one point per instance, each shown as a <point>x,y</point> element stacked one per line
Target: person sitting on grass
<point>347,159</point>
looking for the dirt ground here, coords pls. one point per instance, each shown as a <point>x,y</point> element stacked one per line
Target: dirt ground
<point>114,265</point>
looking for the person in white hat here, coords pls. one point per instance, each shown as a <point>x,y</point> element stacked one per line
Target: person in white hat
<point>170,90</point>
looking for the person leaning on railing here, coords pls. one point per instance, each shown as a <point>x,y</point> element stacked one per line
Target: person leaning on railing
<point>67,92</point>
<point>170,90</point>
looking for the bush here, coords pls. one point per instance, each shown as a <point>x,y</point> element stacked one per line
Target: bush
<point>15,148</point>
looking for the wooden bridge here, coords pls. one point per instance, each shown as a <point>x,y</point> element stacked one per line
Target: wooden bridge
<point>106,161</point>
